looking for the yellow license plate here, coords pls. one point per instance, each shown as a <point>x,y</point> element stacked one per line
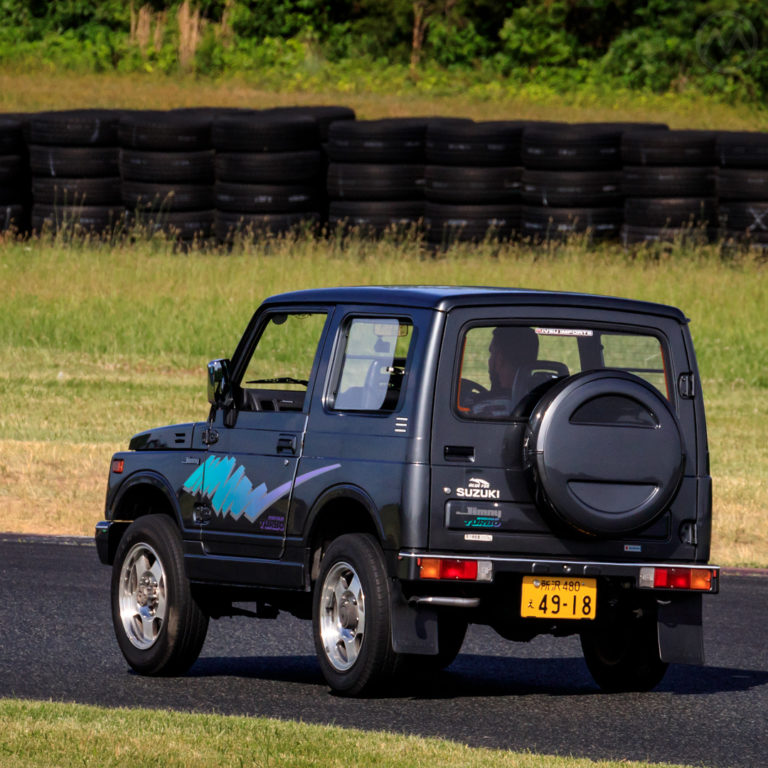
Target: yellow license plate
<point>553,597</point>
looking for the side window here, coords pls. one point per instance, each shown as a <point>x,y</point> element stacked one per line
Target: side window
<point>373,365</point>
<point>277,375</point>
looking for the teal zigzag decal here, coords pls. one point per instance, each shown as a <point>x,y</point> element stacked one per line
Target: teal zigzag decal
<point>232,493</point>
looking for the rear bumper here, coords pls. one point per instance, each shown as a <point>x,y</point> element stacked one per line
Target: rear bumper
<point>640,574</point>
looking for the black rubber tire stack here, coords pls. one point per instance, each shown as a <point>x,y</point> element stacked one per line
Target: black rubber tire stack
<point>669,185</point>
<point>473,180</point>
<point>572,181</point>
<point>167,170</point>
<point>742,187</point>
<point>322,114</point>
<point>15,193</point>
<point>73,158</point>
<point>269,173</point>
<point>375,176</point>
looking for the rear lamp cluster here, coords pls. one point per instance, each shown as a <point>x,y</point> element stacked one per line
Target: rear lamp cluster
<point>451,569</point>
<point>695,579</point>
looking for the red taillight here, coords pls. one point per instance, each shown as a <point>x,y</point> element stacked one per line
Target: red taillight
<point>439,568</point>
<point>683,578</point>
<point>118,465</point>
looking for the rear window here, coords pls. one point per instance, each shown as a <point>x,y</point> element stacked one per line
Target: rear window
<point>504,366</point>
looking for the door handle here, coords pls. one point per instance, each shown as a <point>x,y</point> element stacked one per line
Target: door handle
<point>286,444</point>
<point>459,453</point>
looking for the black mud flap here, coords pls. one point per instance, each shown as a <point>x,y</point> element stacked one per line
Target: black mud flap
<point>681,638</point>
<point>414,627</point>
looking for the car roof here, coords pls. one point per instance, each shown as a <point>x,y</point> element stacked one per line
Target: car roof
<point>446,297</point>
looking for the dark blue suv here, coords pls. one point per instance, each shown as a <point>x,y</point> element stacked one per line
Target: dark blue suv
<point>395,463</point>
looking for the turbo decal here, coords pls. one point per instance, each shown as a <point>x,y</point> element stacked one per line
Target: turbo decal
<point>232,493</point>
<point>482,522</point>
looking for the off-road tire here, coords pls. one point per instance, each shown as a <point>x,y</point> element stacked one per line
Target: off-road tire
<point>355,651</point>
<point>149,569</point>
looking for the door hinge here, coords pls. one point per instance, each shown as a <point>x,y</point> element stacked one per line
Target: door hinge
<point>686,385</point>
<point>210,436</point>
<point>689,533</point>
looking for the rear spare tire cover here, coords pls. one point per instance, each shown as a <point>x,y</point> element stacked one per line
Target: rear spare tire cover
<point>604,452</point>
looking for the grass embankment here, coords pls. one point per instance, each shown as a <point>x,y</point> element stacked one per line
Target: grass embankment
<point>373,95</point>
<point>64,735</point>
<point>100,342</point>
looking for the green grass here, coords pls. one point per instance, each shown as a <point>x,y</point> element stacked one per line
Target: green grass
<point>101,341</point>
<point>42,734</point>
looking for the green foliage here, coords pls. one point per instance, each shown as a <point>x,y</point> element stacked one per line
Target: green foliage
<point>456,44</point>
<point>710,46</point>
<point>537,34</point>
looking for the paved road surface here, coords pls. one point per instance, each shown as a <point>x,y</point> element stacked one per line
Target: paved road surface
<point>56,642</point>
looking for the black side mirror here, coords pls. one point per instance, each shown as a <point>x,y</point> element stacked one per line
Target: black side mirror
<point>219,382</point>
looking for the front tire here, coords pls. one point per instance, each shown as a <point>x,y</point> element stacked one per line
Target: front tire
<point>160,628</point>
<point>351,616</point>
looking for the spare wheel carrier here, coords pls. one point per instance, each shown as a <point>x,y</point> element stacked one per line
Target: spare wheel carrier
<point>604,452</point>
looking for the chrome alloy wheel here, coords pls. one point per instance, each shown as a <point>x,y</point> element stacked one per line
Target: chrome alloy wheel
<point>143,596</point>
<point>342,616</point>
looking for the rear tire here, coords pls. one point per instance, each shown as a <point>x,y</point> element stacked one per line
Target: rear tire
<point>351,616</point>
<point>624,655</point>
<point>451,631</point>
<point>160,628</point>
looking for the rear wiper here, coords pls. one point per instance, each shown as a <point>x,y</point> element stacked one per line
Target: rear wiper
<point>279,380</point>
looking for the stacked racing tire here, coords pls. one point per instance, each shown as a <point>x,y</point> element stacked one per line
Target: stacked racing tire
<point>167,170</point>
<point>375,176</point>
<point>572,181</point>
<point>73,158</point>
<point>669,186</point>
<point>15,196</point>
<point>269,172</point>
<point>742,186</point>
<point>473,180</point>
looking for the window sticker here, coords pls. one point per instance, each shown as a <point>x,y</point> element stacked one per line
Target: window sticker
<point>563,332</point>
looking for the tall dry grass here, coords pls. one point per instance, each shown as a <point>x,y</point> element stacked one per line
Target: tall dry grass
<point>102,341</point>
<point>23,90</point>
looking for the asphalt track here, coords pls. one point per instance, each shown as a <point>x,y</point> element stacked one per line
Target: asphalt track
<point>56,642</point>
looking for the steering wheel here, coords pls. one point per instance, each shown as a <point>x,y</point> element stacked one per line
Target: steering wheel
<point>470,391</point>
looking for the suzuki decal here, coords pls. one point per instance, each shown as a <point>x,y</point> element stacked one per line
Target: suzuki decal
<point>477,488</point>
<point>232,493</point>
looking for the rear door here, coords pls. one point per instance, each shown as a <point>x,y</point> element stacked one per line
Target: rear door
<point>481,497</point>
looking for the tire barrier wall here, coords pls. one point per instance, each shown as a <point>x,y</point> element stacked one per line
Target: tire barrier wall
<point>205,172</point>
